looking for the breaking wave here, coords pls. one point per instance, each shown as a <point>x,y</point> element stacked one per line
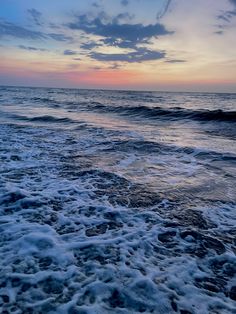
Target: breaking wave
<point>173,114</point>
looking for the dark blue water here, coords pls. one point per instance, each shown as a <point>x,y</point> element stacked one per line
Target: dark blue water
<point>117,201</point>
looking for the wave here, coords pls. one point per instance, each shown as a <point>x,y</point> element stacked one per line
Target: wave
<point>161,148</point>
<point>51,119</point>
<point>173,114</point>
<point>45,118</point>
<point>49,101</point>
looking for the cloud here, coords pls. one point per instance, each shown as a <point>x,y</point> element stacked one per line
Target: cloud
<point>122,17</point>
<point>140,55</point>
<point>96,68</point>
<point>95,5</point>
<point>36,16</point>
<point>118,31</point>
<point>223,17</point>
<point>175,61</point>
<point>226,16</point>
<point>100,26</point>
<point>124,2</point>
<point>10,29</point>
<point>219,32</point>
<point>70,52</point>
<point>60,37</point>
<point>115,66</point>
<point>165,9</point>
<point>90,45</point>
<point>29,48</point>
<point>111,42</point>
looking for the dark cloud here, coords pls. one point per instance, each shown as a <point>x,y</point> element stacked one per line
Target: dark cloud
<point>69,52</point>
<point>96,68</point>
<point>219,32</point>
<point>115,66</point>
<point>90,45</point>
<point>223,17</point>
<point>53,25</point>
<point>10,29</point>
<point>113,29</point>
<point>232,13</point>
<point>226,16</point>
<point>140,55</point>
<point>175,61</point>
<point>60,37</point>
<point>36,16</point>
<point>124,2</point>
<point>221,29</point>
<point>122,18</point>
<point>119,32</point>
<point>96,5</point>
<point>31,48</point>
<point>111,42</point>
<point>125,44</point>
<point>165,9</point>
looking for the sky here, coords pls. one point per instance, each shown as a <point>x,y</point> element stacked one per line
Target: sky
<point>174,45</point>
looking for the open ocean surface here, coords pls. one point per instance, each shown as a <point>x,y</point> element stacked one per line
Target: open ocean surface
<point>117,202</point>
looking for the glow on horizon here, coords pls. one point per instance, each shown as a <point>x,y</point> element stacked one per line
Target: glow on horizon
<point>59,51</point>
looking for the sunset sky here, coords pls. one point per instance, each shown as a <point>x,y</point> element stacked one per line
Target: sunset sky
<point>176,45</point>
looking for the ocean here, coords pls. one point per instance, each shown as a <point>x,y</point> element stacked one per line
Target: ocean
<point>117,202</point>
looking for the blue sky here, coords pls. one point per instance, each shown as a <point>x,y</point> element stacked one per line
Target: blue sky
<point>134,44</point>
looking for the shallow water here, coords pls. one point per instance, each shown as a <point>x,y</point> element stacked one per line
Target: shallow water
<point>117,202</point>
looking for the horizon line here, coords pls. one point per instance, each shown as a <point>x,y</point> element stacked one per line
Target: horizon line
<point>116,89</point>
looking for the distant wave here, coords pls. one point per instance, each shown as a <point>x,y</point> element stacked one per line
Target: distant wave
<point>49,101</point>
<point>173,114</point>
<point>51,119</point>
<point>45,118</point>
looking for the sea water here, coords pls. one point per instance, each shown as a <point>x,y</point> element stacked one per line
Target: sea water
<point>117,201</point>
